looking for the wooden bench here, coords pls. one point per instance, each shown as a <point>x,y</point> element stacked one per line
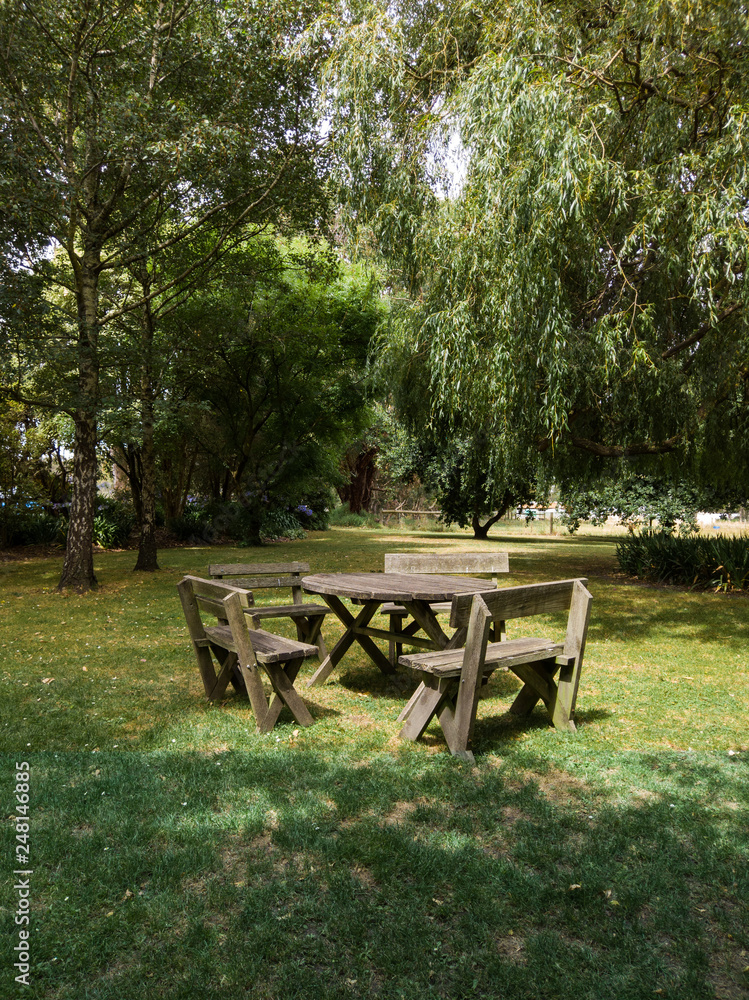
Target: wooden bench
<point>451,679</point>
<point>453,563</point>
<point>242,650</point>
<point>307,617</point>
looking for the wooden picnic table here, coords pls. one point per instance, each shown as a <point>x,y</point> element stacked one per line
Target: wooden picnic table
<point>416,592</point>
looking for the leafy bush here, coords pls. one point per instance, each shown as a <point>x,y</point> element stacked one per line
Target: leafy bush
<point>203,521</point>
<point>343,517</point>
<point>639,500</point>
<point>211,521</point>
<point>32,527</point>
<point>716,563</point>
<point>314,513</point>
<point>113,522</point>
<point>281,522</point>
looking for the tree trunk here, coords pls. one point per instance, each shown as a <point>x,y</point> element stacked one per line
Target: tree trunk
<point>361,467</point>
<point>78,567</point>
<point>147,548</point>
<point>481,531</point>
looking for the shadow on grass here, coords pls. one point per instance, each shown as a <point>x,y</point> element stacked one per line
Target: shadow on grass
<point>639,614</point>
<point>283,874</point>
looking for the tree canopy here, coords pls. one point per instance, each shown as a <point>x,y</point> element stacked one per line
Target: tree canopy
<point>124,129</point>
<point>273,356</point>
<point>576,284</point>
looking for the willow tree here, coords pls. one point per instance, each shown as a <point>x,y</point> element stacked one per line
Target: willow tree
<point>576,285</point>
<point>124,128</point>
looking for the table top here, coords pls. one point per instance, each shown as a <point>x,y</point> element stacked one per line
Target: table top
<point>394,586</point>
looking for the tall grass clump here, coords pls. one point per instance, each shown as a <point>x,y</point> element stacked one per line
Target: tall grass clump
<point>343,517</point>
<point>716,563</point>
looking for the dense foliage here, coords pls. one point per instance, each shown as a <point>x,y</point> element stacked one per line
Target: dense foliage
<point>582,294</point>
<point>272,367</point>
<point>715,563</point>
<point>125,130</point>
<point>641,500</point>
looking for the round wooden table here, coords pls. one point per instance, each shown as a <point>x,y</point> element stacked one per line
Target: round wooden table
<point>413,591</point>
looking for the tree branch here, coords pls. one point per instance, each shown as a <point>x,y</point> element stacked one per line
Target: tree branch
<point>701,332</point>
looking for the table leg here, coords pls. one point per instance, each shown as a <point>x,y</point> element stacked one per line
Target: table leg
<point>421,612</point>
<point>351,624</point>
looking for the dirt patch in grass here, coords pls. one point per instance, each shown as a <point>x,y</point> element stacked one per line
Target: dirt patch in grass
<point>400,812</point>
<point>365,877</point>
<point>82,831</point>
<point>728,972</point>
<point>561,786</point>
<point>362,721</point>
<point>512,947</point>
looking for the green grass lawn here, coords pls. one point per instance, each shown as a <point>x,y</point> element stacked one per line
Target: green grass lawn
<point>176,853</point>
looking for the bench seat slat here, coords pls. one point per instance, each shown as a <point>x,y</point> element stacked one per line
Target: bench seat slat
<point>288,610</point>
<point>269,648</point>
<point>449,662</point>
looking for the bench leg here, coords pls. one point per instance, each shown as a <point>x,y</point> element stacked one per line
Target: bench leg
<point>425,703</point>
<point>282,679</point>
<point>227,661</point>
<point>539,684</point>
<point>308,630</point>
<point>457,738</point>
<point>255,692</point>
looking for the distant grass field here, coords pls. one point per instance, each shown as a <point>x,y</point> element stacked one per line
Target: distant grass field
<point>177,853</point>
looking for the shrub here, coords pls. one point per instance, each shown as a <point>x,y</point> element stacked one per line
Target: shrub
<point>113,522</point>
<point>211,521</point>
<point>314,513</point>
<point>196,523</point>
<point>343,517</point>
<point>32,526</point>
<point>281,522</point>
<point>716,563</point>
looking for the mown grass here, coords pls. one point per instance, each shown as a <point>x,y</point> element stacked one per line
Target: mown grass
<point>336,861</point>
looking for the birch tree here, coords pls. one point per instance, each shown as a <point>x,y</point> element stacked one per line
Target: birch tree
<point>126,127</point>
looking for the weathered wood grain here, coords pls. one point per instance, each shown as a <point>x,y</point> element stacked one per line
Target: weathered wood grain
<point>449,662</point>
<point>447,562</point>
<point>518,602</point>
<point>399,587</point>
<point>308,618</point>
<point>451,678</point>
<point>242,650</point>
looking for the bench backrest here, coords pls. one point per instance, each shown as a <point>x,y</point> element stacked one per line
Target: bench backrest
<point>199,595</point>
<point>517,602</point>
<point>466,563</point>
<point>534,599</point>
<point>257,576</point>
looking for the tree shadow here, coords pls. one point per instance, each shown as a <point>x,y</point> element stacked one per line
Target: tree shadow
<point>408,875</point>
